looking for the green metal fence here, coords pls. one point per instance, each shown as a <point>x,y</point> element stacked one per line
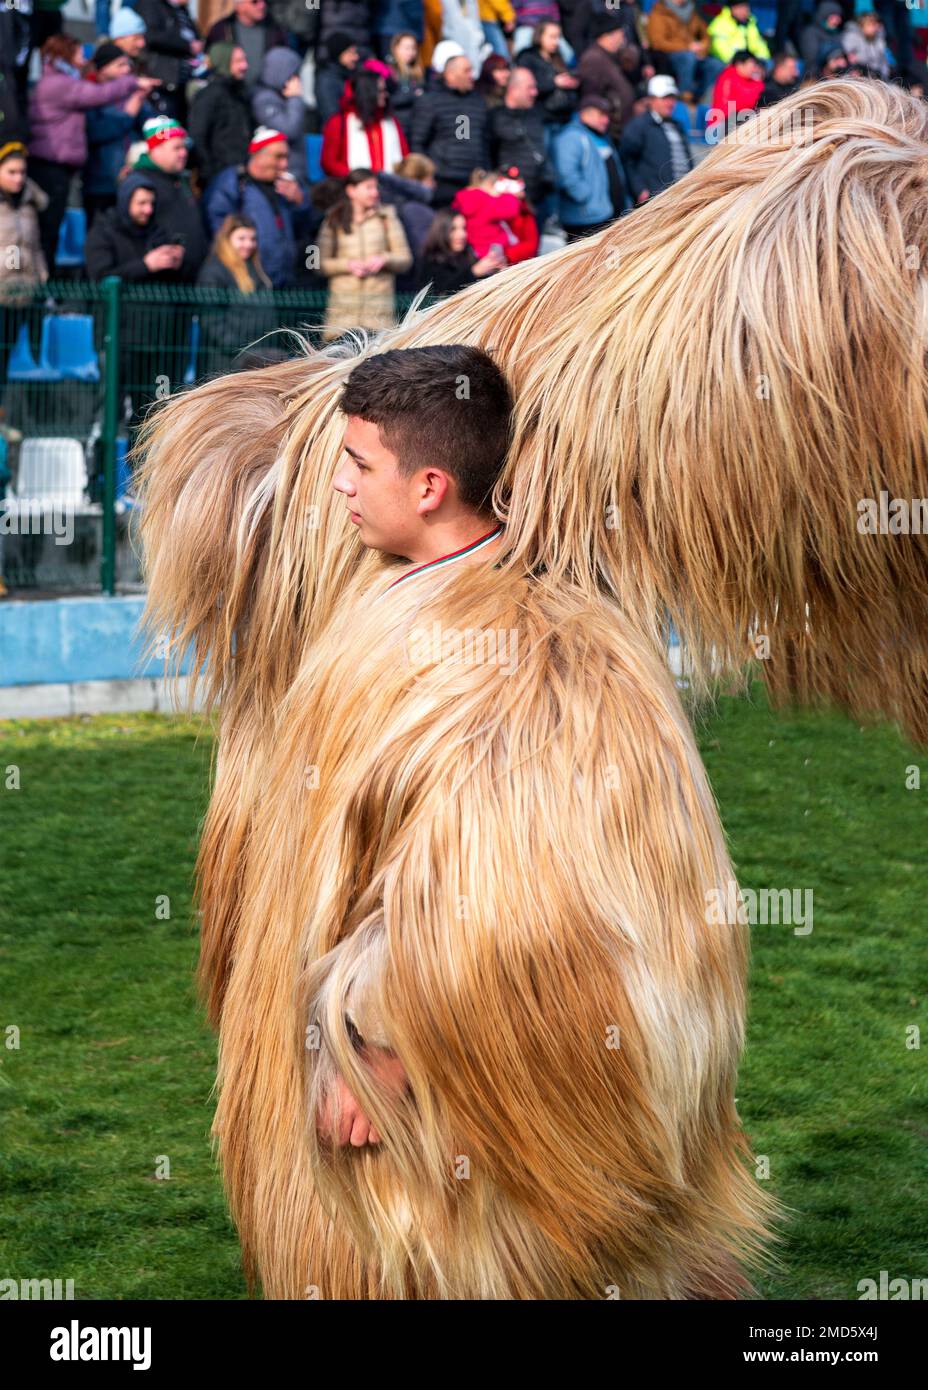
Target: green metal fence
<point>80,363</point>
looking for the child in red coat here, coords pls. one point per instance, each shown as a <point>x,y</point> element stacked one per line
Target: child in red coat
<point>497,213</point>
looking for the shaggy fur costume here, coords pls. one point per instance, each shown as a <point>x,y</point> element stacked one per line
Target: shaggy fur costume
<point>503,871</point>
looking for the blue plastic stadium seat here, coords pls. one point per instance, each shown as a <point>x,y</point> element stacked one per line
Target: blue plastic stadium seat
<point>314,158</point>
<point>766,16</point>
<point>67,346</point>
<point>71,238</point>
<point>22,366</point>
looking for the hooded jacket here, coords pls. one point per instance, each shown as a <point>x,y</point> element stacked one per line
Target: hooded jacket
<point>817,35</point>
<point>269,106</point>
<point>117,246</point>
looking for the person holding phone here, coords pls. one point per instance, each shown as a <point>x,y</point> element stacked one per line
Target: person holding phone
<point>447,263</point>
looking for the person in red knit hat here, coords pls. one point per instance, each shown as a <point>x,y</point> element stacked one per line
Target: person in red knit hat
<point>363,133</point>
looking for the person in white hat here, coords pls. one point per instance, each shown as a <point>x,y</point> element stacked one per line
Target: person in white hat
<point>456,148</point>
<point>655,146</point>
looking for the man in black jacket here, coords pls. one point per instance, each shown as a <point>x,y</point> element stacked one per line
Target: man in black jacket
<point>127,241</point>
<point>517,135</point>
<point>450,124</point>
<point>165,166</point>
<point>220,115</point>
<point>655,148</point>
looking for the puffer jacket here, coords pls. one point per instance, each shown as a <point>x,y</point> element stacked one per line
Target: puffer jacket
<point>57,104</point>
<point>19,228</point>
<point>435,127</point>
<point>367,302</point>
<point>485,213</point>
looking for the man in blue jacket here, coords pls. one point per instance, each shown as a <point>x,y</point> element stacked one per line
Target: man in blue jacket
<point>590,180</point>
<point>265,191</point>
<point>655,147</point>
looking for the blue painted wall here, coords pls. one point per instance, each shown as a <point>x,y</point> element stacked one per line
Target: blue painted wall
<point>72,639</point>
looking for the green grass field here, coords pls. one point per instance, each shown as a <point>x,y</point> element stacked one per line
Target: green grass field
<point>114,1068</point>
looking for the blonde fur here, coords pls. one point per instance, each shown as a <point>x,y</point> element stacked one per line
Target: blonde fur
<point>704,392</point>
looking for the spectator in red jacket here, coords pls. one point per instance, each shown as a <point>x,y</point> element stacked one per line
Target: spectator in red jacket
<point>738,88</point>
<point>498,213</point>
<point>363,133</point>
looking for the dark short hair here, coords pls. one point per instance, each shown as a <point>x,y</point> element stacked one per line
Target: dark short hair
<point>417,398</point>
<point>744,55</point>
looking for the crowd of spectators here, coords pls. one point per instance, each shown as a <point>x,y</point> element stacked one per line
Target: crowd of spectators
<point>454,133</point>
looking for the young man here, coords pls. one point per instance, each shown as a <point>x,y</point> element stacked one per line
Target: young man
<point>427,434</point>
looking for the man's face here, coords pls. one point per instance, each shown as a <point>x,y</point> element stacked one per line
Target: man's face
<point>788,70</point>
<point>170,155</point>
<point>664,106</point>
<point>238,64</point>
<point>386,507</point>
<point>141,206</point>
<point>742,13</point>
<point>251,11</point>
<point>595,119</point>
<point>869,26</point>
<point>523,89</point>
<point>459,75</point>
<point>132,45</point>
<point>268,164</point>
<point>836,65</point>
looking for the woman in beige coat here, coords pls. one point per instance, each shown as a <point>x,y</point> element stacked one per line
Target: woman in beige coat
<point>362,248</point>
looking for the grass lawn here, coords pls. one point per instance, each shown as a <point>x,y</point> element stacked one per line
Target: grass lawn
<point>114,1070</point>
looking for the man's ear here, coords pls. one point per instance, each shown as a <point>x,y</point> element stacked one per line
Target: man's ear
<point>436,486</point>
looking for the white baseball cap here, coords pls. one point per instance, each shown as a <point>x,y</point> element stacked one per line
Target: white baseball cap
<point>663,87</point>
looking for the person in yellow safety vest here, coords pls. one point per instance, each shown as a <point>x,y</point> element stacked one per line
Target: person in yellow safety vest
<point>734,29</point>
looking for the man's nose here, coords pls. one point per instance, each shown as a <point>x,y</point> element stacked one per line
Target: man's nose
<point>341,484</point>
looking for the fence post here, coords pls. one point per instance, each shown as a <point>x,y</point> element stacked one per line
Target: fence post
<point>110,288</point>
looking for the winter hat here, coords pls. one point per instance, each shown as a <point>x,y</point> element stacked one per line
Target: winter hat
<point>444,52</point>
<point>264,136</point>
<point>606,23</point>
<point>162,128</point>
<point>106,53</point>
<point>337,42</point>
<point>125,23</point>
<point>220,56</point>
